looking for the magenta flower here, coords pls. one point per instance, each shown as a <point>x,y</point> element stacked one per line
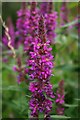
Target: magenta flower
<point>22,23</point>
<point>39,103</point>
<point>51,24</point>
<point>33,86</point>
<point>43,8</point>
<point>32,30</point>
<point>26,31</point>
<point>45,88</point>
<point>50,20</point>
<point>60,99</point>
<point>40,62</point>
<point>33,19</point>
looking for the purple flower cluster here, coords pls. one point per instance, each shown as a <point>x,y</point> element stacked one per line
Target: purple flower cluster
<point>33,19</point>
<point>39,58</point>
<point>26,31</point>
<point>22,23</point>
<point>39,102</point>
<point>43,8</point>
<point>51,23</point>
<point>33,26</point>
<point>41,65</point>
<point>60,98</point>
<point>50,20</point>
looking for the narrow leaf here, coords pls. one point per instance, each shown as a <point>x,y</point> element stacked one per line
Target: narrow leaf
<point>59,116</point>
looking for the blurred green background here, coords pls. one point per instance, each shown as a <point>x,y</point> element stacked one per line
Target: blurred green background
<point>15,97</point>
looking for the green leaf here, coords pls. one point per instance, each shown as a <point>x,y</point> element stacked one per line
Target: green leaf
<point>70,105</point>
<point>28,96</point>
<point>59,116</point>
<point>77,99</point>
<point>70,24</point>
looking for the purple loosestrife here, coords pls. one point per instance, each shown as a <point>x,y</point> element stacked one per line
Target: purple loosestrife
<point>51,24</point>
<point>11,33</point>
<point>33,26</point>
<point>60,98</point>
<point>50,19</point>
<point>64,14</point>
<point>41,65</point>
<point>22,26</point>
<point>22,23</point>
<point>27,33</point>
<point>33,19</point>
<point>31,39</point>
<point>43,8</point>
